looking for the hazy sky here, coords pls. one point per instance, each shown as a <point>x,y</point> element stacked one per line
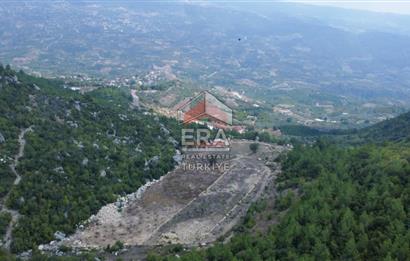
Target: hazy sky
<point>393,6</point>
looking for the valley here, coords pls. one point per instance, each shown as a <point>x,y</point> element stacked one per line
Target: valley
<point>330,81</point>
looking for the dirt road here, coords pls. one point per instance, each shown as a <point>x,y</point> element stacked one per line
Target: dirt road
<point>14,214</point>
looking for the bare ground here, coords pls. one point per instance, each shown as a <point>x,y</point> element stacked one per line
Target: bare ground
<point>186,206</point>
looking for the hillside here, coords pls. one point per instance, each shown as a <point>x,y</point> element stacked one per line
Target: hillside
<point>81,151</point>
<point>334,204</point>
<point>394,130</point>
<point>76,154</point>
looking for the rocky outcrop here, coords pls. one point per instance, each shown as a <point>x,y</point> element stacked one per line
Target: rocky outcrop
<point>152,161</point>
<point>2,139</point>
<point>177,157</point>
<point>173,141</point>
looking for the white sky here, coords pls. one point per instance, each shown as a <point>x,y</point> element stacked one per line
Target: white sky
<point>392,6</point>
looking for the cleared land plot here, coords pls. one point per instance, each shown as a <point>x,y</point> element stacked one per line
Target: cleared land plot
<point>186,206</point>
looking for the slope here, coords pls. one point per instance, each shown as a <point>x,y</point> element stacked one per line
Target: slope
<point>395,129</point>
<point>82,153</point>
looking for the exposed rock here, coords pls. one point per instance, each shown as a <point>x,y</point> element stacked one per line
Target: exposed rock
<point>32,100</point>
<point>25,255</point>
<point>2,139</point>
<point>72,124</point>
<point>11,79</point>
<point>59,170</point>
<point>164,130</point>
<point>85,162</point>
<point>138,149</point>
<point>36,87</point>
<point>154,160</point>
<point>59,235</point>
<point>177,157</point>
<point>123,117</point>
<point>119,204</point>
<point>103,173</point>
<point>173,141</point>
<point>79,144</point>
<point>169,238</point>
<point>77,105</point>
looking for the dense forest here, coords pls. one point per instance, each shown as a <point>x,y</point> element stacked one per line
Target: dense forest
<point>334,204</point>
<point>83,151</point>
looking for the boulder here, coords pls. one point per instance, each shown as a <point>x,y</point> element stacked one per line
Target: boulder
<point>177,157</point>
<point>11,79</point>
<point>2,139</point>
<point>153,161</point>
<point>164,130</point>
<point>35,87</point>
<point>59,170</point>
<point>77,105</point>
<point>173,141</point>
<point>59,235</point>
<point>84,162</point>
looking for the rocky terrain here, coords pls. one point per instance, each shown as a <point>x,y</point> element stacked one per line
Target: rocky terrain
<point>190,207</point>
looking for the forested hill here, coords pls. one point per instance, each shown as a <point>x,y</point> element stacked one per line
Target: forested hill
<point>392,130</point>
<point>81,153</point>
<point>396,129</point>
<point>334,203</point>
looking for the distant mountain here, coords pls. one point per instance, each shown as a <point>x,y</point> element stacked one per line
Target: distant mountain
<point>351,20</point>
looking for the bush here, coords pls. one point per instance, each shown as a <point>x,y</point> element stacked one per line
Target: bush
<point>254,147</point>
<point>115,248</point>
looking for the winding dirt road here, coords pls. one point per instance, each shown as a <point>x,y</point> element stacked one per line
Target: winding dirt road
<point>14,214</point>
